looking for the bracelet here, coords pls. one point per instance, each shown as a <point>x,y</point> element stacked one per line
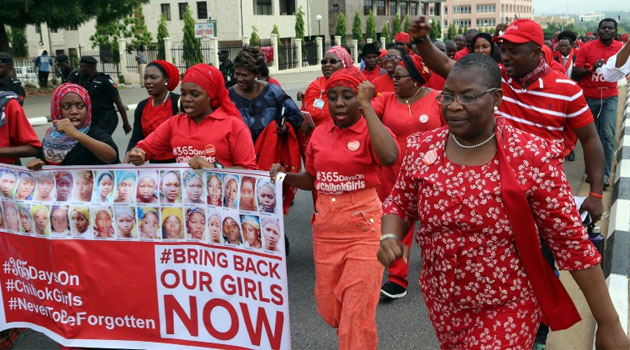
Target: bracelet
<point>596,195</point>
<point>387,236</point>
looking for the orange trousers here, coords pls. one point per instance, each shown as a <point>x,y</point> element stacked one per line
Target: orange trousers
<point>346,232</point>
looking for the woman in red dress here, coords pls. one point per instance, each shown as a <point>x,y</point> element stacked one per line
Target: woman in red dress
<point>483,190</point>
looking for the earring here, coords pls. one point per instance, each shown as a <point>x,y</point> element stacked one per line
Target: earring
<point>415,84</point>
<point>165,83</point>
<point>496,108</point>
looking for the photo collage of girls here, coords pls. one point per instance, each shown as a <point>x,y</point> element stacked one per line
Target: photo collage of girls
<point>146,204</point>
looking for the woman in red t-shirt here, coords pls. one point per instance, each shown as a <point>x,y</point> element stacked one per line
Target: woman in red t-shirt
<point>412,108</point>
<point>342,166</point>
<point>384,83</point>
<point>160,79</point>
<point>210,132</point>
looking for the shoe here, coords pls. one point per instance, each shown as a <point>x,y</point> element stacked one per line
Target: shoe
<point>606,185</point>
<point>393,290</point>
<point>539,346</point>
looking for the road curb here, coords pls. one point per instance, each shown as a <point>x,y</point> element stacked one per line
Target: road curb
<point>616,261</point>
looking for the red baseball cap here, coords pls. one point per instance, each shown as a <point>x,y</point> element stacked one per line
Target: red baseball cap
<point>523,31</point>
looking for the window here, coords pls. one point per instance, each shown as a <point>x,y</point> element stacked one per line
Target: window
<point>462,22</point>
<point>367,6</point>
<point>404,9</point>
<point>38,28</point>
<point>202,9</point>
<point>287,7</point>
<point>431,11</point>
<point>182,9</point>
<point>393,6</point>
<point>486,8</point>
<point>461,9</point>
<point>437,7</point>
<point>486,22</point>
<point>380,7</point>
<point>414,9</point>
<point>446,10</point>
<point>166,11</point>
<point>263,7</point>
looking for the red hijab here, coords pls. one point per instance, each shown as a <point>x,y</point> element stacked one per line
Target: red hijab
<point>346,77</point>
<point>211,80</point>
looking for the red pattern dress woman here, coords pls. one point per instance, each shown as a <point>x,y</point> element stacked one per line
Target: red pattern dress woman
<point>476,290</point>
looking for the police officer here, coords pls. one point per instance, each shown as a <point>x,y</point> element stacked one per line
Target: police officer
<point>64,68</point>
<point>103,93</point>
<point>7,83</point>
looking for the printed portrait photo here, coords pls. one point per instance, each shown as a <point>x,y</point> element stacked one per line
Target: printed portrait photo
<point>11,216</point>
<point>104,189</point>
<point>41,222</point>
<point>170,187</point>
<point>103,222</point>
<point>271,234</point>
<point>59,223</point>
<point>45,186</point>
<point>247,199</point>
<point>214,187</point>
<point>80,221</point>
<point>231,229</point>
<point>172,223</point>
<point>230,191</point>
<point>193,187</point>
<point>147,191</point>
<point>8,179</point>
<point>25,186</point>
<point>26,219</point>
<point>83,185</point>
<point>251,231</point>
<point>125,186</point>
<point>214,227</point>
<point>196,224</point>
<point>125,226</point>
<point>149,222</point>
<point>266,196</point>
<point>63,185</point>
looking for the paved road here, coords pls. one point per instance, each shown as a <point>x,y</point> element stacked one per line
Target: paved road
<point>402,324</point>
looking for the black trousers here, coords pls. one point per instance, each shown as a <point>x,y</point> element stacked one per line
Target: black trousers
<point>43,78</point>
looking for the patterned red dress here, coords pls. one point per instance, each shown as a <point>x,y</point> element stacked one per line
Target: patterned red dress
<point>476,290</point>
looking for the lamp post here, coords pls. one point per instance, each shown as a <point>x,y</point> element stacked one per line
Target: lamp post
<point>319,24</point>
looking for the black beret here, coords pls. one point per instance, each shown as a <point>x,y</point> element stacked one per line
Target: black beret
<point>567,34</point>
<point>88,59</point>
<point>6,58</point>
<point>61,58</point>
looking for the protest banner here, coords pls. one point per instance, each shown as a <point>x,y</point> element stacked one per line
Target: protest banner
<point>159,257</point>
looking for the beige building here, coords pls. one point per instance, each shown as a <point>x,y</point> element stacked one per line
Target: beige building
<point>235,19</point>
<point>481,13</point>
<point>544,21</point>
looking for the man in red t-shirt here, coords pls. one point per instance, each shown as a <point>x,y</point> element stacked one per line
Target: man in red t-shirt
<point>17,137</point>
<point>370,54</point>
<point>601,96</point>
<point>470,34</point>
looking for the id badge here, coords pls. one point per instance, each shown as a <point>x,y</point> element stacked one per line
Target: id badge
<point>319,103</point>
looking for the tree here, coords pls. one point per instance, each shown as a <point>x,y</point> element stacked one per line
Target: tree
<point>191,45</point>
<point>299,24</point>
<point>357,32</point>
<point>106,38</point>
<point>434,30</point>
<point>385,32</point>
<point>18,42</point>
<point>277,33</point>
<point>406,21</point>
<point>340,30</point>
<point>460,30</point>
<point>254,39</point>
<point>161,34</point>
<point>137,30</point>
<point>450,34</point>
<point>370,26</point>
<point>396,26</point>
<point>60,14</point>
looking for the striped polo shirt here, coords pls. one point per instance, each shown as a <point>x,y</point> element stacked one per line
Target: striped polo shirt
<point>551,107</point>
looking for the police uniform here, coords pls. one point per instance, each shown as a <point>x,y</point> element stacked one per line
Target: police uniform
<point>8,83</point>
<point>102,90</point>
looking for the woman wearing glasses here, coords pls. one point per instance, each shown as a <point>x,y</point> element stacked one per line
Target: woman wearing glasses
<point>412,108</point>
<point>483,190</point>
<point>394,56</point>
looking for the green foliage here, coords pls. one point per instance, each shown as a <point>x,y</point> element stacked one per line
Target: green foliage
<point>406,25</point>
<point>161,34</point>
<point>191,45</point>
<point>435,30</point>
<point>254,38</point>
<point>450,34</point>
<point>385,32</point>
<point>299,24</point>
<point>18,42</point>
<point>357,32</point>
<point>460,30</point>
<point>340,29</point>
<point>137,30</point>
<point>106,37</point>
<point>370,26</point>
<point>396,26</point>
<point>491,31</point>
<point>277,33</point>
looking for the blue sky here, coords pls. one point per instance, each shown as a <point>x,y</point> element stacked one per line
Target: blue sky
<point>574,6</point>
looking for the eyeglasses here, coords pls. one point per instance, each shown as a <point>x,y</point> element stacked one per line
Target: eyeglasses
<point>398,77</point>
<point>331,61</point>
<point>464,100</point>
<point>392,57</point>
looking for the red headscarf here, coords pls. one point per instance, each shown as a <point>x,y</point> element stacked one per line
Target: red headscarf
<point>170,71</point>
<point>346,77</point>
<point>342,54</point>
<point>402,37</point>
<point>416,68</point>
<point>211,80</point>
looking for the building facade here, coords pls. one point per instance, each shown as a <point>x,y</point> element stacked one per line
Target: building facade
<point>482,13</point>
<point>235,19</point>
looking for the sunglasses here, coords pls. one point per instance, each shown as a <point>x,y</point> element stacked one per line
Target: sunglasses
<point>331,61</point>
